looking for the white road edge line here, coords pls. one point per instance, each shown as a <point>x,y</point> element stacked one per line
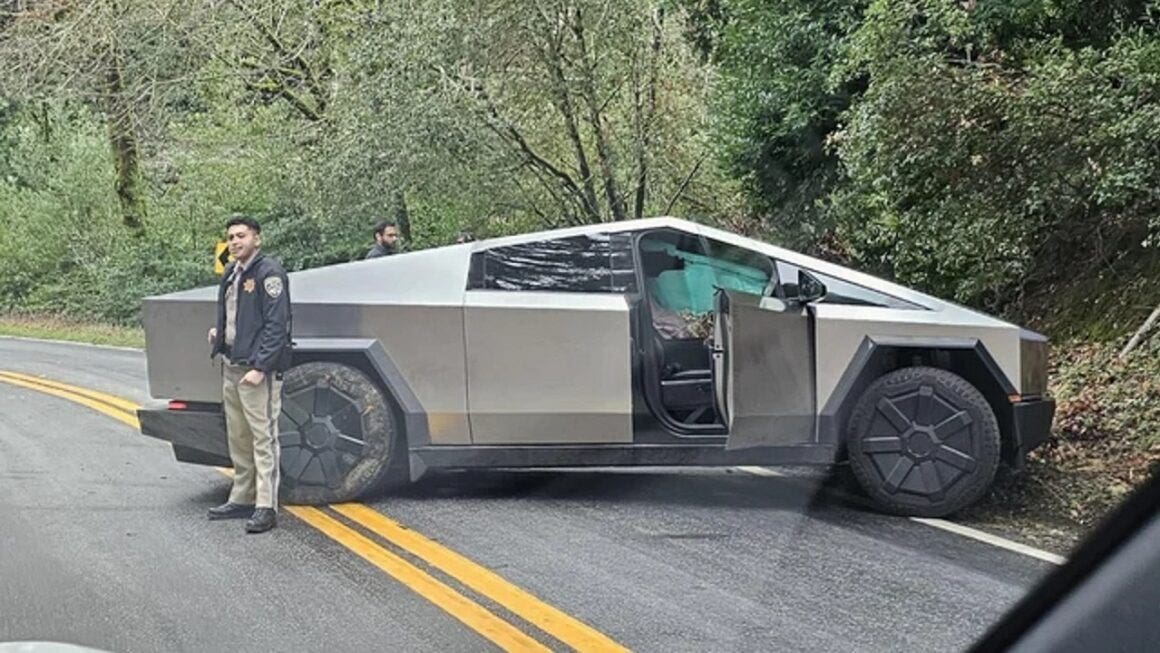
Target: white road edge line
<point>994,540</point>
<point>951,527</point>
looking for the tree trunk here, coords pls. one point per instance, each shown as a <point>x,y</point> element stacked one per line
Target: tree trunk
<point>553,57</point>
<point>401,215</point>
<point>45,123</point>
<point>596,120</point>
<point>645,113</point>
<point>123,140</point>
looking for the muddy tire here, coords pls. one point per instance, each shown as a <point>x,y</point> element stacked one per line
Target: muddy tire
<point>340,437</point>
<point>924,442</point>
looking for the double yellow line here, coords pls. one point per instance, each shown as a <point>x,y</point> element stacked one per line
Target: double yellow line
<point>550,620</point>
<point>122,410</point>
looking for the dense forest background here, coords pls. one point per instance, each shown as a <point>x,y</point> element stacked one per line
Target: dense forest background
<point>988,152</point>
<point>1001,153</point>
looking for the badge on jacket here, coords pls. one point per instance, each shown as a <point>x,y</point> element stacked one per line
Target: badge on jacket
<point>273,286</point>
<point>248,286</point>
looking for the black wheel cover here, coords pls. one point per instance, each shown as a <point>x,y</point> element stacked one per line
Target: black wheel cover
<point>336,433</point>
<point>923,441</point>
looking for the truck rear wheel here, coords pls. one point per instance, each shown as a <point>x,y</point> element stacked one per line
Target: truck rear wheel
<point>923,441</point>
<point>339,435</point>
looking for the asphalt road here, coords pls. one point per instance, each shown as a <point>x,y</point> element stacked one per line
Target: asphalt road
<point>104,543</point>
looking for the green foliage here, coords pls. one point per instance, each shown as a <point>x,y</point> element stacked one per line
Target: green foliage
<point>983,181</point>
<point>51,201</point>
<point>321,119</point>
<point>777,106</point>
<point>983,151</point>
<point>63,248</point>
<point>999,153</point>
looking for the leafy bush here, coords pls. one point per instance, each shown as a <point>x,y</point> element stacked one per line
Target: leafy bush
<point>983,151</point>
<point>977,182</point>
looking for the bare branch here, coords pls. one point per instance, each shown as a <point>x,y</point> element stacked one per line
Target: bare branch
<point>302,67</point>
<point>595,117</point>
<point>551,55</point>
<point>281,90</point>
<point>508,131</point>
<point>684,184</point>
<point>1139,334</point>
<point>645,113</point>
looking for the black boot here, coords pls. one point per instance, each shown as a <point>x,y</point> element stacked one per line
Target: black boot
<point>231,511</point>
<point>263,520</point>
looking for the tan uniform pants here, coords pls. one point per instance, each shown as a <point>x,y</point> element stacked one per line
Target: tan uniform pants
<point>252,428</point>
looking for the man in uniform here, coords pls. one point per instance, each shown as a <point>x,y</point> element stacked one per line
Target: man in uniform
<point>253,337</point>
<point>386,240</point>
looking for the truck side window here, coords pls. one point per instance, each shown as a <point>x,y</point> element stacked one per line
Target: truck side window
<point>594,263</point>
<point>838,291</point>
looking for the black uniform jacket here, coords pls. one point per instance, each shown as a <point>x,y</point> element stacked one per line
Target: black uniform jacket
<point>262,335</point>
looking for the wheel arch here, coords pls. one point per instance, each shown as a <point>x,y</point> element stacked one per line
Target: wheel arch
<point>877,356</point>
<point>369,357</point>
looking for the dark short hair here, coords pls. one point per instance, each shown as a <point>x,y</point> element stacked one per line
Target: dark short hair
<point>244,220</point>
<point>383,225</point>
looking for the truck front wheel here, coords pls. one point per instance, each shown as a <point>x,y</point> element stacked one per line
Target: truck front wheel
<point>923,441</point>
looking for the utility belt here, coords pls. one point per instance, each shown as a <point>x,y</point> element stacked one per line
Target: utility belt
<point>227,355</point>
<point>227,361</point>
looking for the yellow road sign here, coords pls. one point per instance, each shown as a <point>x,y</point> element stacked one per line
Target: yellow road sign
<point>221,256</point>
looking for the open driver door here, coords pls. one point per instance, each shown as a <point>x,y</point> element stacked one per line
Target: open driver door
<point>763,370</point>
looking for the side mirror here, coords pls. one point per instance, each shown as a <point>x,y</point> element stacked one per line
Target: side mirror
<point>809,288</point>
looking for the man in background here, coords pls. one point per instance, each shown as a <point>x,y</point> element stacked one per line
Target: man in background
<point>386,240</point>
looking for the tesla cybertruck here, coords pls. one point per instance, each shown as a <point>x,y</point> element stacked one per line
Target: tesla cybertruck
<point>646,342</point>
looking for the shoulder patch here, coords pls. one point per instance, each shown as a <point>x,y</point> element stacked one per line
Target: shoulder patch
<point>273,286</point>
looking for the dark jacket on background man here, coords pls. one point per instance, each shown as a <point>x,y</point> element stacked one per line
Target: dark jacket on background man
<point>378,250</point>
<point>263,321</point>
